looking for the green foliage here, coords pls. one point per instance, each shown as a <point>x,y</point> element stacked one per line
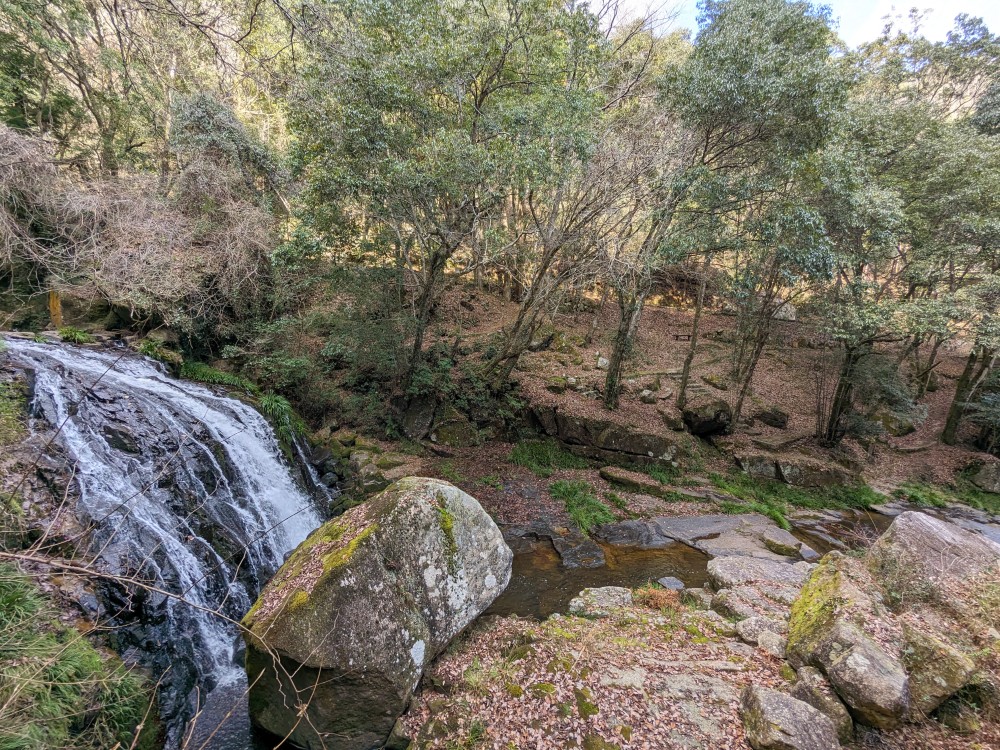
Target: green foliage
<point>73,335</point>
<point>282,416</point>
<point>450,472</point>
<point>13,409</point>
<point>156,350</point>
<point>203,373</point>
<point>924,495</point>
<point>773,498</point>
<point>544,457</point>
<point>56,689</point>
<point>662,474</point>
<point>583,506</point>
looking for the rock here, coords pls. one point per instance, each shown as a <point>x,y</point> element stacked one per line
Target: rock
<point>454,429</point>
<point>671,418</point>
<point>556,385</point>
<point>419,417</point>
<point>773,417</point>
<point>707,619</point>
<point>671,583</point>
<point>750,629</point>
<point>824,633</point>
<point>758,465</point>
<point>431,557</point>
<point>602,363</point>
<point>716,382</point>
<point>935,550</point>
<point>600,602</point>
<point>633,481</point>
<point>807,472</point>
<point>699,598</point>
<point>776,721</point>
<point>812,688</point>
<point>729,572</point>
<point>648,397</point>
<point>937,670</point>
<point>781,542</point>
<point>785,311</point>
<point>987,478</point>
<point>708,418</point>
<point>773,643</point>
<point>895,425</point>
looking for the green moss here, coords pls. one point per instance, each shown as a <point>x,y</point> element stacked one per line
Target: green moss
<point>543,689</point>
<point>559,664</point>
<point>814,608</point>
<point>585,705</point>
<point>593,742</point>
<point>339,557</point>
<point>513,690</point>
<point>787,673</point>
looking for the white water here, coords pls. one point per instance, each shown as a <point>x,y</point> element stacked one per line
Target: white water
<point>193,463</point>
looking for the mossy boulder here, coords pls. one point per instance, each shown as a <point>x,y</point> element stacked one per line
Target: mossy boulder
<point>345,628</point>
<point>826,631</point>
<point>937,669</point>
<point>812,688</point>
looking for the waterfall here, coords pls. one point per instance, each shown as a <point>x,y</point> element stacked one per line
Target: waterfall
<point>182,487</point>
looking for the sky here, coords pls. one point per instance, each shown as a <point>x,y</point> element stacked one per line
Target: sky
<point>862,20</point>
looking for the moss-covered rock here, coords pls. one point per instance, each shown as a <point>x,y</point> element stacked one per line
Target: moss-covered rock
<point>937,670</point>
<point>826,632</point>
<point>348,623</point>
<point>776,721</point>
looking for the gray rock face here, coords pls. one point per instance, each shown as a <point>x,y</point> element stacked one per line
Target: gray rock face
<point>600,602</point>
<point>432,560</point>
<point>750,629</point>
<point>937,550</point>
<point>988,478</point>
<point>813,688</point>
<point>872,683</point>
<point>776,721</point>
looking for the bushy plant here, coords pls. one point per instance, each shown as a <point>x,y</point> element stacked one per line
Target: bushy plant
<point>72,335</point>
<point>203,373</point>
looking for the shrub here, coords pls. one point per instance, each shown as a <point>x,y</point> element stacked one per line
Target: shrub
<point>656,597</point>
<point>156,350</point>
<point>544,457</point>
<point>203,373</point>
<point>582,504</point>
<point>72,335</point>
<point>279,412</point>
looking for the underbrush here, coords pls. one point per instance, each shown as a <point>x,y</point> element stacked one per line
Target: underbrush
<point>203,373</point>
<point>545,457</point>
<point>583,506</point>
<point>72,335</point>
<point>773,499</point>
<point>56,689</point>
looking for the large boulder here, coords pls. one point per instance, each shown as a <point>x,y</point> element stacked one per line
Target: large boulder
<point>936,551</point>
<point>776,721</point>
<point>338,640</point>
<point>825,631</point>
<point>708,418</point>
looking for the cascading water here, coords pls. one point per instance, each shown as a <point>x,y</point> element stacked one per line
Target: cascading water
<point>184,489</point>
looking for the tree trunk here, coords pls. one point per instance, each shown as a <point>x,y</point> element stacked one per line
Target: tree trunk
<point>55,309</point>
<point>977,366</point>
<point>842,397</point>
<point>692,348</point>
<point>631,312</point>
<point>437,263</point>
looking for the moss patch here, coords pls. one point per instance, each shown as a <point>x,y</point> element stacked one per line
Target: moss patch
<point>13,405</point>
<point>585,705</point>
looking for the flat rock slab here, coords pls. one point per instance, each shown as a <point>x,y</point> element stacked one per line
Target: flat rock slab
<point>730,572</point>
<point>776,721</point>
<point>600,602</point>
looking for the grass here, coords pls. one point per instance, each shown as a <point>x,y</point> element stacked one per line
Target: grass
<point>545,457</point>
<point>282,416</point>
<point>13,402</point>
<point>773,499</point>
<point>203,373</point>
<point>938,496</point>
<point>72,335</point>
<point>661,474</point>
<point>56,689</point>
<point>155,350</point>
<point>582,504</point>
<point>450,472</point>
